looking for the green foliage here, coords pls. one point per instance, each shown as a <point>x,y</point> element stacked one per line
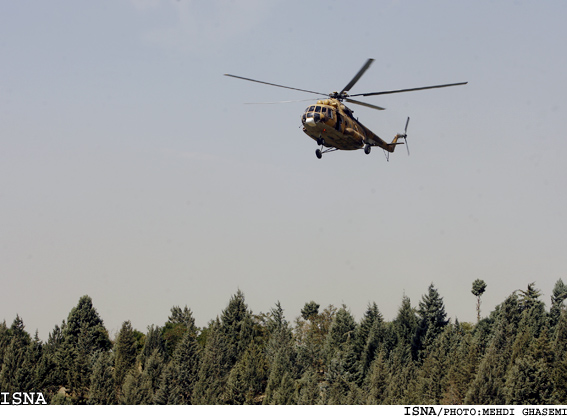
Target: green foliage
<point>102,389</point>
<point>281,360</point>
<point>432,320</point>
<point>404,328</point>
<point>369,335</point>
<point>530,380</point>
<point>310,310</point>
<point>247,380</point>
<point>310,337</point>
<point>125,353</point>
<point>376,383</point>
<point>178,383</point>
<point>488,386</point>
<point>85,324</point>
<point>307,390</point>
<point>178,323</point>
<point>558,296</point>
<point>478,288</point>
<point>213,370</point>
<point>517,354</point>
<point>342,366</point>
<point>13,360</point>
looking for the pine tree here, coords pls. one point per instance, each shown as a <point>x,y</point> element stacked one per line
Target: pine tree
<point>432,320</point>
<point>237,328</point>
<point>152,374</point>
<point>434,371</point>
<point>247,379</point>
<point>14,356</point>
<point>558,296</point>
<point>164,394</point>
<point>529,296</point>
<point>227,340</point>
<point>26,379</point>
<point>341,377</point>
<point>85,323</point>
<point>280,355</point>
<point>342,366</point>
<point>404,327</point>
<point>135,390</point>
<point>403,374</point>
<point>487,388</point>
<point>529,383</point>
<point>50,370</point>
<point>102,390</point>
<point>153,341</point>
<point>533,320</point>
<point>178,323</point>
<point>341,336</point>
<point>4,340</point>
<point>125,353</point>
<point>530,379</point>
<point>462,369</point>
<point>369,337</point>
<point>401,367</point>
<point>559,349</point>
<point>376,382</point>
<point>79,369</point>
<point>181,377</point>
<point>214,368</point>
<point>307,391</point>
<point>279,391</point>
<point>67,364</point>
<point>310,340</point>
<point>285,393</point>
<point>280,335</point>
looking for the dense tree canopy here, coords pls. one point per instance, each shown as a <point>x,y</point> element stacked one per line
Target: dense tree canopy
<point>515,355</point>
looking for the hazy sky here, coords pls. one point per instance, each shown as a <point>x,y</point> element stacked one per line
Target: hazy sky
<point>132,171</point>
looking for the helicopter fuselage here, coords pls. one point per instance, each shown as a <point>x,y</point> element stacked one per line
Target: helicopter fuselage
<point>331,124</point>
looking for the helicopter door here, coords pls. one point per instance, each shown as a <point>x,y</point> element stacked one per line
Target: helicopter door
<point>339,126</point>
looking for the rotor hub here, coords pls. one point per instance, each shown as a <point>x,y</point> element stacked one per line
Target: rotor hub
<point>339,96</point>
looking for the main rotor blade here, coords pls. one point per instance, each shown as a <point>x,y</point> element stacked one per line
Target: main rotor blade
<point>284,101</point>
<point>277,85</point>
<point>358,75</point>
<point>404,90</point>
<point>365,104</point>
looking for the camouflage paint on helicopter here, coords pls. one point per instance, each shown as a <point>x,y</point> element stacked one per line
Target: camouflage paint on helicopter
<point>332,124</point>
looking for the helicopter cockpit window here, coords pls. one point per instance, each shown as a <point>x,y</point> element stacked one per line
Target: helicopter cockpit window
<point>318,109</point>
<point>311,109</point>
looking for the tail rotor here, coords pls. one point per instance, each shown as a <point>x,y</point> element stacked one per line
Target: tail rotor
<point>405,135</point>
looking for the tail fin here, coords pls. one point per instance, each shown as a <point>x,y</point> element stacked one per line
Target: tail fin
<point>392,145</point>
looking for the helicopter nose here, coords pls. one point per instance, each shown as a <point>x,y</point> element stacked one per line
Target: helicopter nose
<point>310,121</point>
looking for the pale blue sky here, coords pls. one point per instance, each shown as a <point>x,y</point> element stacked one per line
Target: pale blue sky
<point>132,171</point>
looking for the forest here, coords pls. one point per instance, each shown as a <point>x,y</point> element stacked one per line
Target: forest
<point>517,354</point>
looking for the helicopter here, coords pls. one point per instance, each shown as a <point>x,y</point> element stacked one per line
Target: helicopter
<point>332,124</point>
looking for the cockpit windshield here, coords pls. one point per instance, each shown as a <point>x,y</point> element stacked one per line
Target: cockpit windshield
<point>325,111</point>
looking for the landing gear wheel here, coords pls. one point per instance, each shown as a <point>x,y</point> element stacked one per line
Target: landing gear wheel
<point>367,149</point>
<point>318,153</point>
